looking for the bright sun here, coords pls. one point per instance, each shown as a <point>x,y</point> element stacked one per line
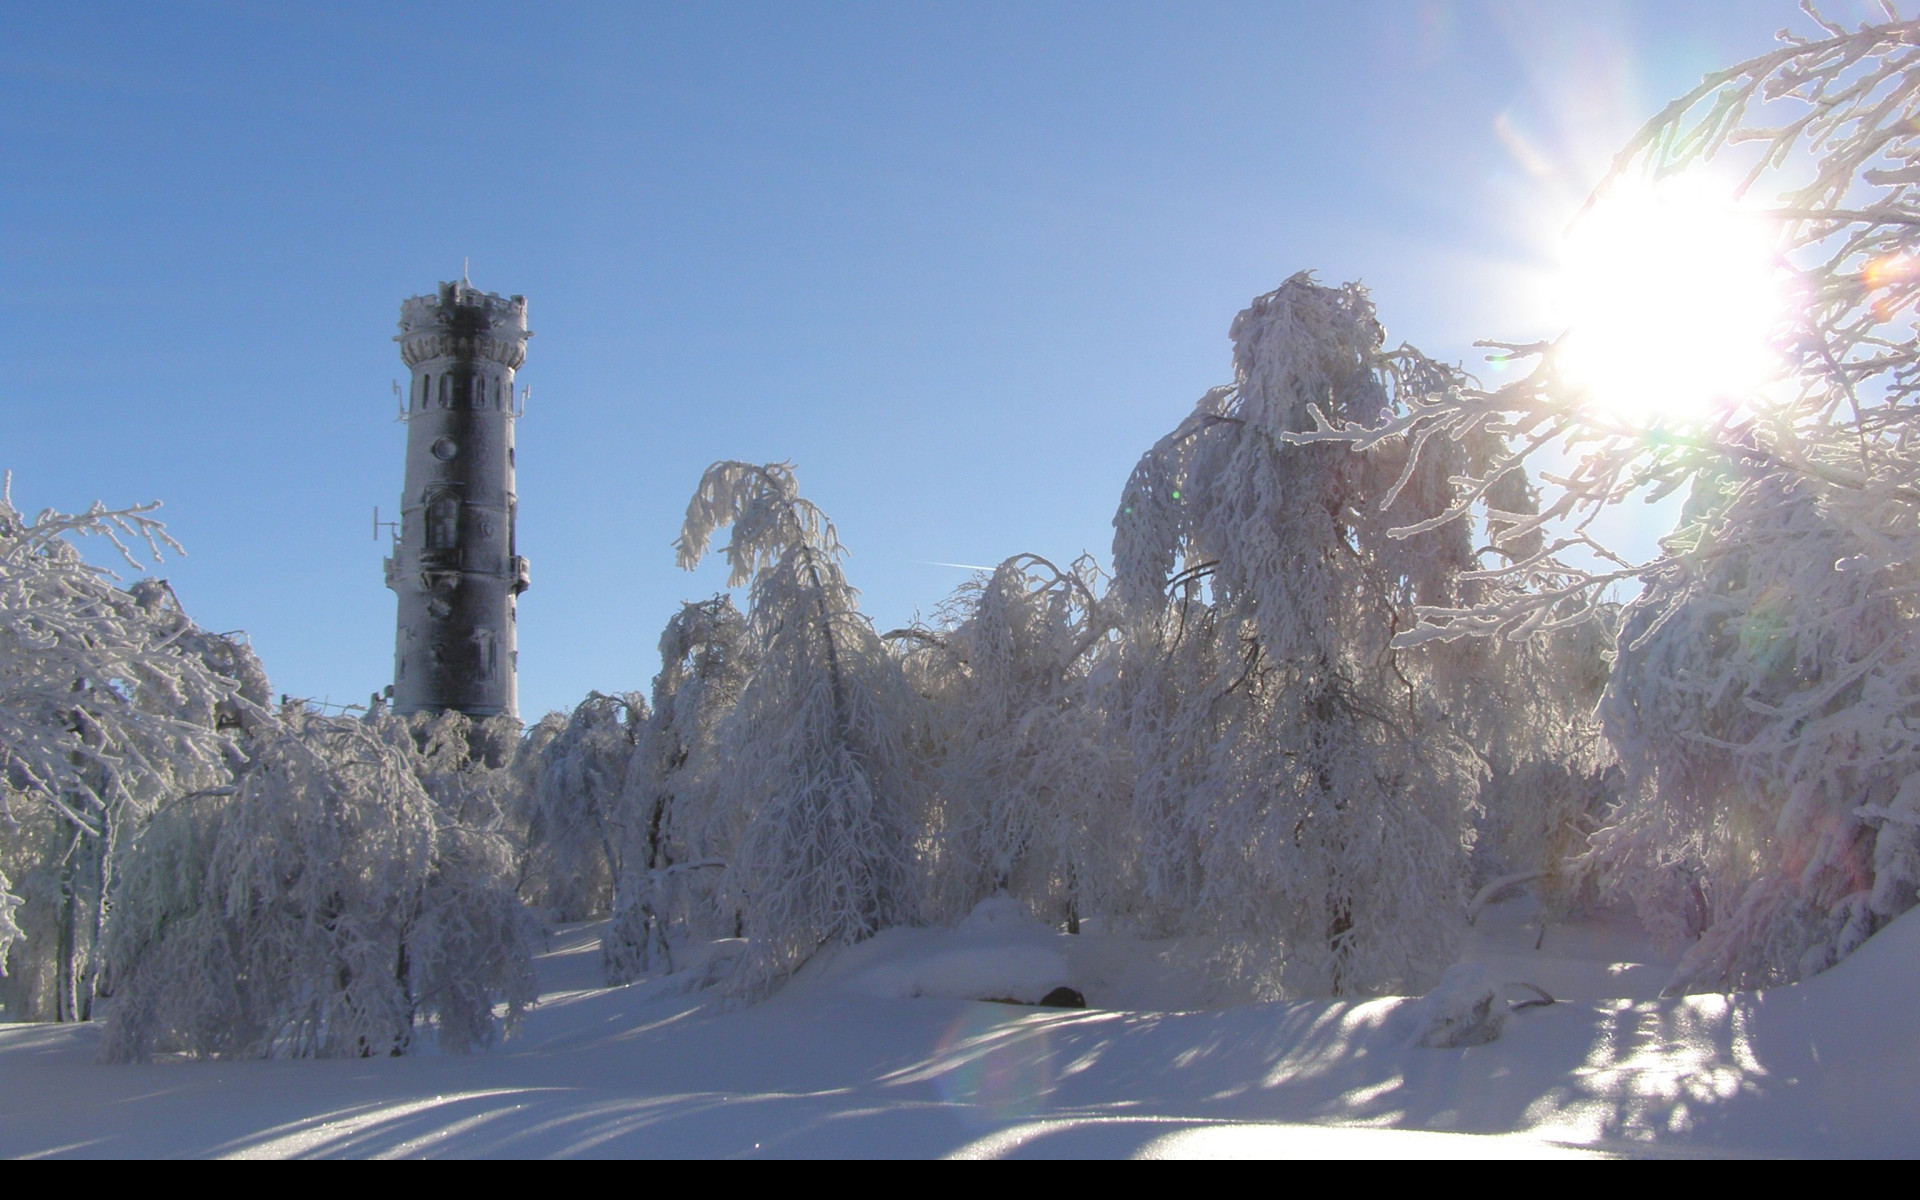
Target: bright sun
<point>1669,296</point>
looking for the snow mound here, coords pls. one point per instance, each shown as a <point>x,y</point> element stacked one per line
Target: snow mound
<point>1002,915</point>
<point>1886,964</point>
<point>997,952</point>
<point>1854,1021</point>
<point>1464,1009</point>
<point>1023,974</point>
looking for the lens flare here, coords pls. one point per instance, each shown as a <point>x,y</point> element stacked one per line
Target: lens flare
<point>997,1070</point>
<point>1671,296</point>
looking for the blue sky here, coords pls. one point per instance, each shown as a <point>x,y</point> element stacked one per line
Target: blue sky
<point>961,263</point>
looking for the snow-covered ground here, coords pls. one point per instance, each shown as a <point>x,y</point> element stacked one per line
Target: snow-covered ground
<point>879,1050</point>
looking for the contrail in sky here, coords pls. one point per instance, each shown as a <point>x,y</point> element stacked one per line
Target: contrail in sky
<point>925,562</point>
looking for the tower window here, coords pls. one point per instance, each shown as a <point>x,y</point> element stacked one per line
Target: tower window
<point>446,391</point>
<point>483,645</point>
<point>443,521</point>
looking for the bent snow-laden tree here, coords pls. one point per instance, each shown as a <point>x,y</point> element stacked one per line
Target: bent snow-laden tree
<point>573,810</point>
<point>1765,703</point>
<point>1299,793</point>
<point>816,761</point>
<point>110,700</point>
<point>675,840</point>
<point>321,907</point>
<point>1028,778</point>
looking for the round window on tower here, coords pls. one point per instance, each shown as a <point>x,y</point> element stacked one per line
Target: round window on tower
<point>445,448</point>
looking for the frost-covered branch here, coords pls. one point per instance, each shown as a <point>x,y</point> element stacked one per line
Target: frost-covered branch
<point>110,700</point>
<point>1761,696</point>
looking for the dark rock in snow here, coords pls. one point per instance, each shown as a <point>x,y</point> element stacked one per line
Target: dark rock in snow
<point>1060,997</point>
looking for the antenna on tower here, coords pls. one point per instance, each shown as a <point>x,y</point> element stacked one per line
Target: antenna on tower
<point>464,281</point>
<point>399,403</point>
<point>526,390</point>
<point>393,527</point>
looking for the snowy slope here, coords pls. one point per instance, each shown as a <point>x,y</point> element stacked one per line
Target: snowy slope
<point>871,1052</point>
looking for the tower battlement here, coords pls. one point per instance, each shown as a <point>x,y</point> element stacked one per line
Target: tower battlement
<point>461,321</point>
<point>456,565</point>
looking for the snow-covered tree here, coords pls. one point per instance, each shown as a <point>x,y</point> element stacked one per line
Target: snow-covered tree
<point>9,931</point>
<point>572,809</point>
<point>1763,699</point>
<point>1029,780</point>
<point>817,759</point>
<point>321,906</point>
<point>1761,704</point>
<point>473,770</point>
<point>676,837</point>
<point>1526,709</point>
<point>1299,793</point>
<point>110,700</point>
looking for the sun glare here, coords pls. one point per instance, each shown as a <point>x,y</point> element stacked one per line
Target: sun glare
<point>1669,296</point>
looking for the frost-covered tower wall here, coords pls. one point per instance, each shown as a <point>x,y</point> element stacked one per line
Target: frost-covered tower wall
<point>456,566</point>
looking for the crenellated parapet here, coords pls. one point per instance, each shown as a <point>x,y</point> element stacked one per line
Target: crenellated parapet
<point>461,322</point>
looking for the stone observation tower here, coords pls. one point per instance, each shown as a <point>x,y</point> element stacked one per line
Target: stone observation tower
<point>455,564</point>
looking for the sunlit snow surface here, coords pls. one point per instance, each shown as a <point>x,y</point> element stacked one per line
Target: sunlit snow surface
<point>869,1053</point>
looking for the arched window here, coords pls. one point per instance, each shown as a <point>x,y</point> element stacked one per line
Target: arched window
<point>446,391</point>
<point>421,390</point>
<point>443,521</point>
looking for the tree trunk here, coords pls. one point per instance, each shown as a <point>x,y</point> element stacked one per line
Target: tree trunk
<point>63,1006</point>
<point>1073,901</point>
<point>403,975</point>
<point>100,864</point>
<point>656,931</point>
<point>1337,931</point>
<point>833,653</point>
<point>66,1003</point>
